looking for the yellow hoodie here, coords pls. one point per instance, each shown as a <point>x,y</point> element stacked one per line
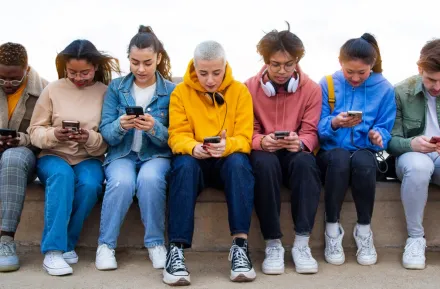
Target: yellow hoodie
<point>193,116</point>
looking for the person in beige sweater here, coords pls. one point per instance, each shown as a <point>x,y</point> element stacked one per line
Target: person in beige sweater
<point>70,163</point>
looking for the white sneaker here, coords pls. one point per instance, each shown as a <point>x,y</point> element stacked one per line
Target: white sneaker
<point>414,255</point>
<point>158,256</point>
<point>334,252</point>
<point>366,253</point>
<point>304,261</point>
<point>55,265</point>
<point>273,263</point>
<point>71,257</point>
<point>105,258</point>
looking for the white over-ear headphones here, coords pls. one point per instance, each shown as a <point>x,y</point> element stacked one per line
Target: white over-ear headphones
<point>270,88</point>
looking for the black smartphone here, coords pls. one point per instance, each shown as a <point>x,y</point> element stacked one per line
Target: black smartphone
<point>281,134</point>
<point>134,110</point>
<point>71,125</point>
<point>213,139</point>
<point>8,132</point>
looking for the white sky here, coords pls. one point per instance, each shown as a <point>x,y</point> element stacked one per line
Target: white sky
<point>45,27</point>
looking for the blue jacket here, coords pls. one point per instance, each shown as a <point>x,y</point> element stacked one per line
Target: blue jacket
<point>155,141</point>
<point>375,98</point>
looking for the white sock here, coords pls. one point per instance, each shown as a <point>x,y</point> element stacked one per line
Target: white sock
<point>332,230</point>
<point>301,241</point>
<point>274,243</point>
<point>363,230</point>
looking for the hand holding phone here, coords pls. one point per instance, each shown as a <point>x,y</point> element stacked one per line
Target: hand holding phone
<point>215,146</point>
<point>355,113</point>
<point>8,132</point>
<point>72,126</point>
<point>435,139</point>
<point>281,134</point>
<point>134,110</point>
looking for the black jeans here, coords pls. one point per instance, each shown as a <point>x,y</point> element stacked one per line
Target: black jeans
<point>339,168</point>
<point>300,174</point>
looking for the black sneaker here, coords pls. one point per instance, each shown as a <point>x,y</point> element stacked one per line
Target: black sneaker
<point>175,272</point>
<point>241,265</point>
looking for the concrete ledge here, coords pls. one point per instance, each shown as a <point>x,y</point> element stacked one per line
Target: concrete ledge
<point>211,221</point>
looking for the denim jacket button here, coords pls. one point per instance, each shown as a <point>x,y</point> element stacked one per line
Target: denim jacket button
<point>148,109</point>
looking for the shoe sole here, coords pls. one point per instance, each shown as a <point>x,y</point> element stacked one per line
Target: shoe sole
<point>175,280</point>
<point>106,268</point>
<point>58,272</point>
<point>366,263</point>
<point>336,262</point>
<point>274,271</point>
<point>306,270</point>
<point>243,276</point>
<point>9,268</point>
<point>414,266</point>
<point>71,261</point>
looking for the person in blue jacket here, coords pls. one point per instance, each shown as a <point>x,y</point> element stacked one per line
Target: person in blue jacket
<point>138,158</point>
<point>350,135</point>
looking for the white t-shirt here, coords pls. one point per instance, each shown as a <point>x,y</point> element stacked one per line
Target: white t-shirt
<point>143,97</point>
<point>432,128</point>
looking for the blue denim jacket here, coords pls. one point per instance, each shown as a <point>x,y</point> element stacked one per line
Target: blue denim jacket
<point>154,141</point>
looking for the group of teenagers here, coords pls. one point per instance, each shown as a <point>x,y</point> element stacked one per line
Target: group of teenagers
<point>248,139</point>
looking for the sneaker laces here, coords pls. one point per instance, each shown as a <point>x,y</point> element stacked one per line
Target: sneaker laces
<point>273,253</point>
<point>415,248</point>
<point>304,252</point>
<point>6,249</point>
<point>238,257</point>
<point>176,262</point>
<point>366,247</point>
<point>334,246</point>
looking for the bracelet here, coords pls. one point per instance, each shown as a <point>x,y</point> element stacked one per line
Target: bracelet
<point>261,143</point>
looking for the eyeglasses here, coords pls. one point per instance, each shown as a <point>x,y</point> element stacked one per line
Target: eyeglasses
<point>288,67</point>
<point>82,74</point>
<point>12,82</point>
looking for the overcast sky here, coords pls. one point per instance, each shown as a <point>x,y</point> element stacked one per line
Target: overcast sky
<point>45,27</point>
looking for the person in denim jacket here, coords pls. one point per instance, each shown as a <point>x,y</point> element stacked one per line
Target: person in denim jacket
<point>138,158</point>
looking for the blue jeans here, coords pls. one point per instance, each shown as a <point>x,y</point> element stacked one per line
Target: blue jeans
<point>127,177</point>
<point>71,193</point>
<point>189,177</point>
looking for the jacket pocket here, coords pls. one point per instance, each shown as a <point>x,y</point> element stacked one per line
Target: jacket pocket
<point>411,126</point>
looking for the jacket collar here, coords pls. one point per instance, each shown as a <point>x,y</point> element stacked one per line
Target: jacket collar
<point>127,83</point>
<point>418,89</point>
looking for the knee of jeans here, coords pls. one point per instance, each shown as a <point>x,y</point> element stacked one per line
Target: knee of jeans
<point>120,187</point>
<point>264,161</point>
<point>237,161</point>
<point>185,162</point>
<point>305,161</point>
<point>339,158</point>
<point>152,178</point>
<point>14,158</point>
<point>364,159</point>
<point>418,170</point>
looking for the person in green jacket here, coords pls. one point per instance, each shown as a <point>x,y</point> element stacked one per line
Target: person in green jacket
<point>416,144</point>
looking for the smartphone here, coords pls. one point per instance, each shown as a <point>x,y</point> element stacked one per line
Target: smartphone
<point>281,134</point>
<point>355,113</point>
<point>134,110</point>
<point>435,139</point>
<point>213,139</point>
<point>71,125</point>
<point>8,132</point>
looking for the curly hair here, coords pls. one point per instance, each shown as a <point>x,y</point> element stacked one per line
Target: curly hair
<point>13,54</point>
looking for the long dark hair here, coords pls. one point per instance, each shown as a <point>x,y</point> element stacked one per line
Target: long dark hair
<point>364,48</point>
<point>145,38</point>
<point>84,49</point>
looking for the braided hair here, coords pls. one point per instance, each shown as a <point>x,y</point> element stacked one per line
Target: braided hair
<point>13,54</point>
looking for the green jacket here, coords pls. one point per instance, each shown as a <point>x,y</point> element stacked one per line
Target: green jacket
<point>410,121</point>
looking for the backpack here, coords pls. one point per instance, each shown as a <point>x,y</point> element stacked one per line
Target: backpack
<point>386,165</point>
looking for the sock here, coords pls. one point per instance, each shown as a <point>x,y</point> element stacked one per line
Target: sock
<point>363,230</point>
<point>332,230</point>
<point>274,243</point>
<point>240,242</point>
<point>301,241</point>
<point>10,234</point>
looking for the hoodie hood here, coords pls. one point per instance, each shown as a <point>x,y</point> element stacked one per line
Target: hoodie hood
<point>192,80</point>
<point>303,78</point>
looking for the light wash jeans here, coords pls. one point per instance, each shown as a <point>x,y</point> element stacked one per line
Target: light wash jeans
<point>416,171</point>
<point>71,194</point>
<point>127,177</point>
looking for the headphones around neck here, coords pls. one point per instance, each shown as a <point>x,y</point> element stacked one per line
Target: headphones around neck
<point>217,97</point>
<point>270,88</point>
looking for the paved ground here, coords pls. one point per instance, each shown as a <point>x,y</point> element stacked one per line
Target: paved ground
<point>210,270</point>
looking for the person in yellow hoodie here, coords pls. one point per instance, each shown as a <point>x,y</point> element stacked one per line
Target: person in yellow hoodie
<point>210,134</point>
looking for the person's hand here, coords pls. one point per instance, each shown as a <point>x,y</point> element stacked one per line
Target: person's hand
<point>9,142</point>
<point>62,134</point>
<point>127,121</point>
<point>216,150</point>
<point>291,142</point>
<point>81,137</point>
<point>343,120</point>
<point>199,152</point>
<point>375,138</point>
<point>421,144</point>
<point>270,143</point>
<point>144,122</point>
